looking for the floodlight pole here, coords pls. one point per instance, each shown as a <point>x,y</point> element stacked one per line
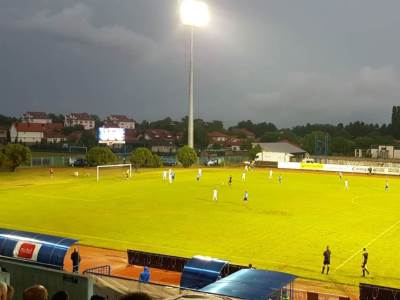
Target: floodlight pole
<point>190,117</point>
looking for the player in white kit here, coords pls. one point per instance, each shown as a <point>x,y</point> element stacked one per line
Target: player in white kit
<point>215,195</point>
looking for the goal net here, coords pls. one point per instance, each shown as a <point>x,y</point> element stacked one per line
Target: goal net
<point>119,170</point>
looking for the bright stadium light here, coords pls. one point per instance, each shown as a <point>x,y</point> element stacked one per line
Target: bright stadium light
<point>194,13</point>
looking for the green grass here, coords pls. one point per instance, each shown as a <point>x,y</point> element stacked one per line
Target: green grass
<point>283,227</point>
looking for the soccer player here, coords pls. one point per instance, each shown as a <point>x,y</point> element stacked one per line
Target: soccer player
<point>127,173</point>
<point>199,172</point>
<point>387,186</point>
<point>245,196</point>
<point>230,180</point>
<point>340,175</point>
<point>51,172</point>
<point>215,195</point>
<point>246,168</point>
<point>164,175</point>
<point>346,184</point>
<point>270,174</point>
<point>364,263</point>
<point>244,176</point>
<point>280,179</point>
<point>327,260</point>
<point>197,177</point>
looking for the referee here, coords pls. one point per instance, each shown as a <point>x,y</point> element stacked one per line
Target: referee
<point>327,260</point>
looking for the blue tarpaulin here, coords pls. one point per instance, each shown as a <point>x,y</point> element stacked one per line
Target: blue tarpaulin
<point>250,284</point>
<point>46,250</point>
<point>201,271</point>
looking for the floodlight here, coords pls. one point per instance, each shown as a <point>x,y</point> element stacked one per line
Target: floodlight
<point>194,13</point>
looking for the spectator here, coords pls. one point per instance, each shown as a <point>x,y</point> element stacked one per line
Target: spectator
<point>96,297</point>
<point>60,295</point>
<point>36,292</point>
<point>3,291</point>
<point>136,296</point>
<point>76,259</point>
<point>10,292</point>
<point>145,275</point>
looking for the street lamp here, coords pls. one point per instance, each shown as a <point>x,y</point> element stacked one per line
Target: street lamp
<point>193,13</point>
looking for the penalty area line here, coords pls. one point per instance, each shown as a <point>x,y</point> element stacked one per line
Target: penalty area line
<point>369,244</point>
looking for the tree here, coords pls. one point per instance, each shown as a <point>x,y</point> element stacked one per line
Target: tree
<point>341,145</point>
<point>15,155</point>
<point>100,156</point>
<point>97,121</point>
<point>57,118</point>
<point>254,151</point>
<point>142,157</point>
<point>186,156</point>
<point>88,139</point>
<point>270,137</point>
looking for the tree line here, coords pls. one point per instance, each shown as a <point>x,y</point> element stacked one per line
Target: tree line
<point>342,138</point>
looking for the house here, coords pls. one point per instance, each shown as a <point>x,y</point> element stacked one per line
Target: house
<point>3,135</point>
<point>29,133</point>
<point>159,134</point>
<point>217,137</point>
<point>234,143</point>
<point>53,133</point>
<point>121,121</point>
<point>383,152</point>
<point>36,117</point>
<point>163,147</point>
<point>132,136</point>
<point>246,133</point>
<point>84,119</point>
<point>280,152</point>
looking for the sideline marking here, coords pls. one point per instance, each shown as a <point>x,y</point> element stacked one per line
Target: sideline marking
<point>369,243</point>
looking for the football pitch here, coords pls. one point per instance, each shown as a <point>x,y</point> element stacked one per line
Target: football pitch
<point>283,227</point>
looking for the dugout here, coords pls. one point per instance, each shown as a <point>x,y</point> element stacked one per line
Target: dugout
<point>201,271</point>
<point>34,248</point>
<point>254,284</point>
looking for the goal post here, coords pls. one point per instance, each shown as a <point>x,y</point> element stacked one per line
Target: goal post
<point>113,166</point>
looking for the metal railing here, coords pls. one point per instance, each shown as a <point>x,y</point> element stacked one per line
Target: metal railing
<point>101,270</point>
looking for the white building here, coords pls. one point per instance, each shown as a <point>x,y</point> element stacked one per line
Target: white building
<point>121,121</point>
<point>36,117</point>
<point>29,133</point>
<point>84,119</point>
<point>279,152</point>
<point>383,151</point>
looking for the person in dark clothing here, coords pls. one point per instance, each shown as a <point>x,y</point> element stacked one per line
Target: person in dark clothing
<point>136,296</point>
<point>60,295</point>
<point>364,263</point>
<point>76,259</point>
<point>145,275</point>
<point>327,260</point>
<point>230,180</point>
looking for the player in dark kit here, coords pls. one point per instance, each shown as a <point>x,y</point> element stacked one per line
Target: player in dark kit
<point>230,180</point>
<point>364,264</point>
<point>327,260</point>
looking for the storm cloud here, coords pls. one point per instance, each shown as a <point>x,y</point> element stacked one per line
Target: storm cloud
<point>275,61</point>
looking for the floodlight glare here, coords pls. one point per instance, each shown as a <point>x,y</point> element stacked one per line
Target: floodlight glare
<point>194,13</point>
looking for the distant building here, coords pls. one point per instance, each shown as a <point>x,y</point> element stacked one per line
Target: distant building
<point>121,121</point>
<point>36,117</point>
<point>382,152</point>
<point>159,134</point>
<point>84,119</point>
<point>163,147</point>
<point>29,133</point>
<point>217,137</point>
<point>246,133</point>
<point>234,143</point>
<point>3,135</point>
<point>54,133</point>
<point>280,152</point>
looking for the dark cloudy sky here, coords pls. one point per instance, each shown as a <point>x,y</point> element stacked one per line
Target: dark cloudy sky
<point>282,61</point>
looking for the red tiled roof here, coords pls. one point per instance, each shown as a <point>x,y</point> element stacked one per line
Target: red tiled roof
<point>246,132</point>
<point>29,127</point>
<point>37,114</point>
<point>159,134</point>
<point>217,134</point>
<point>54,130</point>
<point>109,124</point>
